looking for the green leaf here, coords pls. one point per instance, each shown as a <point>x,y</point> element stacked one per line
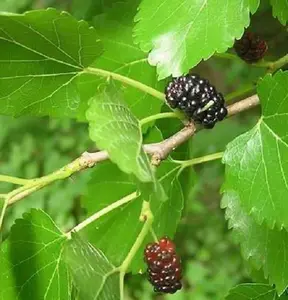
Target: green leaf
<point>167,213</point>
<point>93,275</point>
<point>31,260</point>
<point>43,55</point>
<point>115,129</point>
<point>122,57</point>
<point>280,10</point>
<point>252,291</point>
<point>87,9</point>
<point>181,33</point>
<point>13,5</point>
<point>256,167</point>
<point>264,247</point>
<point>211,141</point>
<point>107,185</point>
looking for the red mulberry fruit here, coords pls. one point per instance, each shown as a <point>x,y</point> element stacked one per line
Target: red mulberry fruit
<point>164,266</point>
<point>251,48</point>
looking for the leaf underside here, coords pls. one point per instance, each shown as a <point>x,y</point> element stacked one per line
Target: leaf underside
<point>114,128</point>
<point>93,275</point>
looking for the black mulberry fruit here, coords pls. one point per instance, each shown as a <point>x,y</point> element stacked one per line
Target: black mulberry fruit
<point>197,98</point>
<point>251,48</point>
<point>164,266</point>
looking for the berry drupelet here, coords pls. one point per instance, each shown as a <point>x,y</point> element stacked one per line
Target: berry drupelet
<point>164,266</point>
<point>197,98</point>
<point>251,48</point>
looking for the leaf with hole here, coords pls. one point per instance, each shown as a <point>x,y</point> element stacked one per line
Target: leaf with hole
<point>256,162</point>
<point>180,33</point>
<point>31,260</point>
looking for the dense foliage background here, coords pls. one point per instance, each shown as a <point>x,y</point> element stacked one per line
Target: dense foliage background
<point>32,147</point>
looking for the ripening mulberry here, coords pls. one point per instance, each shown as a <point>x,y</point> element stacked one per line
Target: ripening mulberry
<point>197,98</point>
<point>251,48</point>
<point>164,266</point>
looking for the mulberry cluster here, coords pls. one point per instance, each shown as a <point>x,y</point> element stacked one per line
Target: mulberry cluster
<point>164,266</point>
<point>251,48</point>
<point>197,98</point>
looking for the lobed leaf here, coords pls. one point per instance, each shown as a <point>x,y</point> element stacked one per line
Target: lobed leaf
<point>179,34</point>
<point>31,260</point>
<point>256,162</point>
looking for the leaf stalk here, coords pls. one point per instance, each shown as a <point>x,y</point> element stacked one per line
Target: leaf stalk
<point>127,80</point>
<point>159,116</point>
<point>102,212</point>
<point>14,180</point>
<point>199,160</point>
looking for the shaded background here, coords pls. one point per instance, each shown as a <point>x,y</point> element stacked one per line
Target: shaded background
<point>32,147</point>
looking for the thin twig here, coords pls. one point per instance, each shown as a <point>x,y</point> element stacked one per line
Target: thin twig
<point>86,160</point>
<point>243,105</point>
<point>14,180</point>
<point>272,66</point>
<point>281,62</point>
<point>159,152</point>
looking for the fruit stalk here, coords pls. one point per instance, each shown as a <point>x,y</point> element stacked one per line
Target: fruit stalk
<point>147,217</point>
